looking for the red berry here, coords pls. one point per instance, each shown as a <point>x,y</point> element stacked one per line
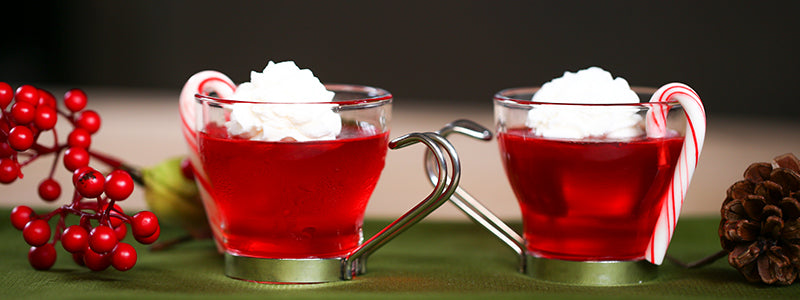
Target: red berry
<point>75,238</point>
<point>75,100</point>
<point>9,170</point>
<point>96,261</point>
<point>124,257</point>
<point>20,138</point>
<point>119,185</point>
<point>78,172</point>
<point>20,216</point>
<point>23,112</point>
<point>75,158</point>
<point>42,257</point>
<point>36,232</point>
<point>85,222</point>
<point>120,231</point>
<point>147,240</point>
<point>102,239</point>
<point>187,169</point>
<point>77,257</point>
<point>49,189</point>
<point>27,93</point>
<point>6,150</point>
<point>79,137</point>
<point>89,120</point>
<point>6,95</point>
<point>46,99</point>
<point>46,117</point>
<point>90,184</point>
<point>144,224</point>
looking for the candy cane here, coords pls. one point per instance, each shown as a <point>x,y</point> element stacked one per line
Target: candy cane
<point>204,83</point>
<point>687,162</point>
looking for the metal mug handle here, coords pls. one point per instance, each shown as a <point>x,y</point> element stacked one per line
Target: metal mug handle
<point>465,202</point>
<point>445,184</point>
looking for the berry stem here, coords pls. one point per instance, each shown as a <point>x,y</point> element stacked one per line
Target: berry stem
<point>106,215</point>
<point>699,263</point>
<point>50,215</point>
<point>115,163</point>
<point>30,157</point>
<point>170,243</point>
<point>76,197</point>
<point>60,226</point>
<point>107,159</point>
<point>122,217</point>
<point>55,163</point>
<point>70,116</point>
<point>41,150</point>
<point>55,149</point>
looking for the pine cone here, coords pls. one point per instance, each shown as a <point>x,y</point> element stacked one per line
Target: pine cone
<point>760,227</point>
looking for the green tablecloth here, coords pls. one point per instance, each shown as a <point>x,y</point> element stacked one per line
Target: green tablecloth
<point>431,260</point>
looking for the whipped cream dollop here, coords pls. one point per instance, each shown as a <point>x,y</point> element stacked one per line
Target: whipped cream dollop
<point>589,86</point>
<point>288,87</point>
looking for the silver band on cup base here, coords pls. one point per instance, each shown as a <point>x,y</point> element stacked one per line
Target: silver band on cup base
<point>312,270</point>
<point>590,273</point>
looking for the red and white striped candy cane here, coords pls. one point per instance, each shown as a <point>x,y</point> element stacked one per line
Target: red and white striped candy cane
<point>687,162</point>
<point>204,83</point>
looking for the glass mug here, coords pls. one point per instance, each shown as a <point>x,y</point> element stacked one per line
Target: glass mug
<point>596,210</point>
<point>292,211</point>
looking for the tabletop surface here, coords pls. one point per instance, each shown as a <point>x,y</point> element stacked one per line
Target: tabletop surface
<point>434,259</point>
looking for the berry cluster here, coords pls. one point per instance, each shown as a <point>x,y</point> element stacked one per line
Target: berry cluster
<point>95,242</point>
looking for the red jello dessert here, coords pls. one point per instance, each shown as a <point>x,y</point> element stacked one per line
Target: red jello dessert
<point>289,199</point>
<point>588,200</point>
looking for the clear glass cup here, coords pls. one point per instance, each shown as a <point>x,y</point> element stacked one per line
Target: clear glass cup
<point>293,199</point>
<point>600,186</point>
<point>291,211</point>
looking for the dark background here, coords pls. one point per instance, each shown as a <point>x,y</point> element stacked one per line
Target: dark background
<point>741,57</point>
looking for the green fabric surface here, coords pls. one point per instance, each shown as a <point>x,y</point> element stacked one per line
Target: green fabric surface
<point>457,260</point>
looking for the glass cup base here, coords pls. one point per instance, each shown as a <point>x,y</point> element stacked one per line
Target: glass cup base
<point>590,273</point>
<point>270,270</point>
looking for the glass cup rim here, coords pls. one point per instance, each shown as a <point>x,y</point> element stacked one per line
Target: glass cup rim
<point>376,96</point>
<point>506,96</point>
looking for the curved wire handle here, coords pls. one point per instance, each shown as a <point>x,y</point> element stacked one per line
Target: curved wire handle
<point>444,187</point>
<point>473,208</point>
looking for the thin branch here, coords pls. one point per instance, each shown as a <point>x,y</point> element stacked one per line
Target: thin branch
<point>699,263</point>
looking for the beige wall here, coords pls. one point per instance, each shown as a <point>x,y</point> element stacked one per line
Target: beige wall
<point>142,126</point>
